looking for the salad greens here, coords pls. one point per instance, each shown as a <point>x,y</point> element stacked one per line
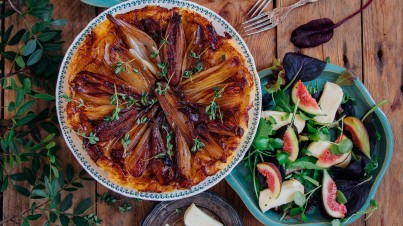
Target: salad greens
<point>320,146</point>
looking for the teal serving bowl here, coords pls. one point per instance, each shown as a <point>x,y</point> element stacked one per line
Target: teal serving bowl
<point>103,3</point>
<point>384,148</point>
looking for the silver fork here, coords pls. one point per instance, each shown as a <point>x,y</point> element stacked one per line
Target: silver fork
<point>258,8</point>
<point>268,20</point>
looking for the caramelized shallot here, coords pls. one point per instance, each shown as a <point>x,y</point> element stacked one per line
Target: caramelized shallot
<point>173,50</point>
<point>183,158</point>
<point>141,44</point>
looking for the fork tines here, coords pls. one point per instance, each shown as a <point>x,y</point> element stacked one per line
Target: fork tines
<point>258,8</point>
<point>258,21</point>
<point>262,24</point>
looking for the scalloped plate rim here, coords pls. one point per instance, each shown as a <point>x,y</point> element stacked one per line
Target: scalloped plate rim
<point>101,176</point>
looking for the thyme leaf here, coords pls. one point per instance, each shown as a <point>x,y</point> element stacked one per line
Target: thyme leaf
<point>213,110</point>
<point>92,137</point>
<point>197,145</point>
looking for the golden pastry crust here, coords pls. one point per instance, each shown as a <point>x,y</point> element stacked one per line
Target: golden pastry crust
<point>164,70</point>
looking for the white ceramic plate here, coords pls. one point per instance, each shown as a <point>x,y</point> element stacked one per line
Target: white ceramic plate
<point>76,145</point>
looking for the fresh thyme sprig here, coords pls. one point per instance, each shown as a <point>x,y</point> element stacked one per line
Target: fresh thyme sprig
<point>169,146</point>
<point>92,137</point>
<point>125,208</point>
<point>125,142</point>
<point>132,102</point>
<point>169,138</point>
<point>197,145</point>
<point>214,110</point>
<point>80,102</point>
<point>194,55</point>
<point>123,66</point>
<point>162,43</point>
<point>160,155</point>
<point>115,101</point>
<point>163,73</point>
<point>142,120</point>
<point>192,71</point>
<point>146,99</point>
<point>197,68</point>
<point>164,69</point>
<point>160,90</point>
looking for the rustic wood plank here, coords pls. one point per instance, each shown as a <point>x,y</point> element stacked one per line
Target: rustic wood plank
<point>262,46</point>
<point>78,16</point>
<point>13,202</point>
<point>342,51</point>
<point>2,10</point>
<point>345,47</point>
<point>296,18</point>
<point>383,76</point>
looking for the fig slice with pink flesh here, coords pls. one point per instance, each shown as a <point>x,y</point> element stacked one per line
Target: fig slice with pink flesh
<point>328,159</point>
<point>306,102</point>
<point>330,204</point>
<point>290,143</point>
<point>359,134</point>
<point>273,177</point>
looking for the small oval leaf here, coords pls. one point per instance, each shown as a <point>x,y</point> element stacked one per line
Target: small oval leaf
<point>35,57</point>
<point>30,47</point>
<point>313,33</point>
<point>25,107</point>
<point>20,62</point>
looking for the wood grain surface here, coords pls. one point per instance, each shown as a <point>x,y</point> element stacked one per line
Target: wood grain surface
<point>370,44</point>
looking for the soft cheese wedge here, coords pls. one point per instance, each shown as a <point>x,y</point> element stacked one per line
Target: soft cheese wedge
<point>288,190</point>
<point>316,149</point>
<point>284,118</point>
<point>329,102</point>
<point>196,217</point>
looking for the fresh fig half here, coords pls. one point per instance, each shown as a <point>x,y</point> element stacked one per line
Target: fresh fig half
<point>306,102</point>
<point>330,204</point>
<point>290,142</point>
<point>359,134</point>
<point>316,149</point>
<point>328,159</point>
<point>273,177</point>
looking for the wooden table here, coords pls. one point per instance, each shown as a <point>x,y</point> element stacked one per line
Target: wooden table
<point>370,44</point>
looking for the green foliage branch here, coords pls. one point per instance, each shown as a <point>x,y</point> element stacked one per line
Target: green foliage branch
<point>29,161</point>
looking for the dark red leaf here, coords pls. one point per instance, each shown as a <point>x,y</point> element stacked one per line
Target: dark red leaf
<point>304,67</point>
<point>319,31</point>
<point>312,34</point>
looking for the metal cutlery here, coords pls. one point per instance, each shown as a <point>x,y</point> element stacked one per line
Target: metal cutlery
<point>268,20</point>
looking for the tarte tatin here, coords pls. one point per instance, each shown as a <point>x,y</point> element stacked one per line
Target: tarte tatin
<point>159,99</point>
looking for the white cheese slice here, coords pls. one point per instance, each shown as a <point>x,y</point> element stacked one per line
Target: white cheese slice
<point>329,102</point>
<point>282,119</point>
<point>196,217</point>
<point>316,149</point>
<point>288,190</point>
